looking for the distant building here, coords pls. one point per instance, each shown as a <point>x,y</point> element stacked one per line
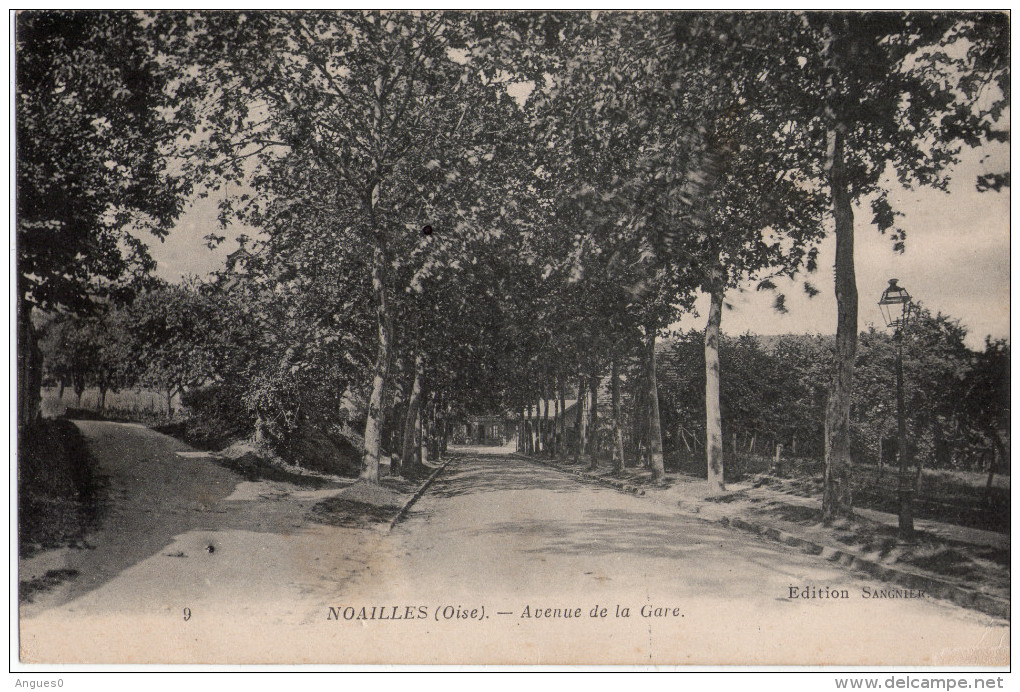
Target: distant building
<point>236,265</point>
<point>501,429</point>
<point>487,430</point>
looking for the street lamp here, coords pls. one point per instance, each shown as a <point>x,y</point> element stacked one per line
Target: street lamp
<point>895,305</point>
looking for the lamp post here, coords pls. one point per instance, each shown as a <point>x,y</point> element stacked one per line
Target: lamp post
<point>895,306</point>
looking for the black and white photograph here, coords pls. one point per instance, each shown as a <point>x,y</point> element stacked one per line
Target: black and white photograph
<point>526,338</point>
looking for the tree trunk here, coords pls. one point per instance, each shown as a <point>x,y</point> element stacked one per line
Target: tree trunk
<point>582,431</point>
<point>376,414</point>
<point>29,367</point>
<point>999,454</point>
<point>529,444</point>
<point>991,476</point>
<point>777,464</point>
<point>260,429</point>
<point>594,436</point>
<point>419,438</point>
<point>437,422</point>
<point>654,431</point>
<point>438,417</point>
<point>563,418</point>
<point>536,444</point>
<point>102,398</point>
<point>407,468</point>
<point>433,429</point>
<point>557,415</point>
<point>433,410</point>
<point>639,421</point>
<point>520,433</point>
<point>713,411</point>
<point>837,498</point>
<point>530,430</point>
<point>424,450</point>
<point>426,427</point>
<point>618,458</point>
<point>545,422</point>
<point>444,433</point>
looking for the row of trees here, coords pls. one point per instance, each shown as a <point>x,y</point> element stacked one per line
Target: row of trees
<point>585,174</point>
<point>774,392</point>
<point>184,338</point>
<point>161,340</point>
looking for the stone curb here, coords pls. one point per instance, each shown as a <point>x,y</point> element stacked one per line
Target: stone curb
<point>937,588</point>
<point>417,495</point>
<point>961,596</point>
<point>611,482</point>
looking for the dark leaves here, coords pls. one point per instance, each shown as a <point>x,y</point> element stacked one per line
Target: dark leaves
<point>92,138</point>
<point>994,182</point>
<point>779,304</point>
<point>884,215</point>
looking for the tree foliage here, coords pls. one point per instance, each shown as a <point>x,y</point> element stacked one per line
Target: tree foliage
<point>952,420</point>
<point>93,145</point>
<point>461,212</point>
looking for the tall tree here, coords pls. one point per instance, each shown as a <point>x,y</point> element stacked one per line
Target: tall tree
<point>93,141</point>
<point>985,402</point>
<point>900,92</point>
<point>597,114</point>
<point>377,112</point>
<point>171,331</point>
<point>731,197</point>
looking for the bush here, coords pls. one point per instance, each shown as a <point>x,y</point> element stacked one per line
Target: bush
<point>311,448</point>
<point>216,418</point>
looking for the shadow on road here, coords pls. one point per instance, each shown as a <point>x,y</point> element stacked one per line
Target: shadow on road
<point>516,513</point>
<point>680,546</point>
<point>475,474</point>
<point>614,531</point>
<point>603,527</point>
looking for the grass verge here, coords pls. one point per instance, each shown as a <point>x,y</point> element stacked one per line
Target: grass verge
<point>61,494</point>
<point>364,505</point>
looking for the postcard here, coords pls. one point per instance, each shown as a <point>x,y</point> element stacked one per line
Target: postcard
<point>512,338</point>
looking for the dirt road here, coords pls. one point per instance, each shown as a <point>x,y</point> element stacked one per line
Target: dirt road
<point>528,536</point>
<point>502,561</point>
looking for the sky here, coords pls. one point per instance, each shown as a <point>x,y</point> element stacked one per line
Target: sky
<point>956,261</point>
